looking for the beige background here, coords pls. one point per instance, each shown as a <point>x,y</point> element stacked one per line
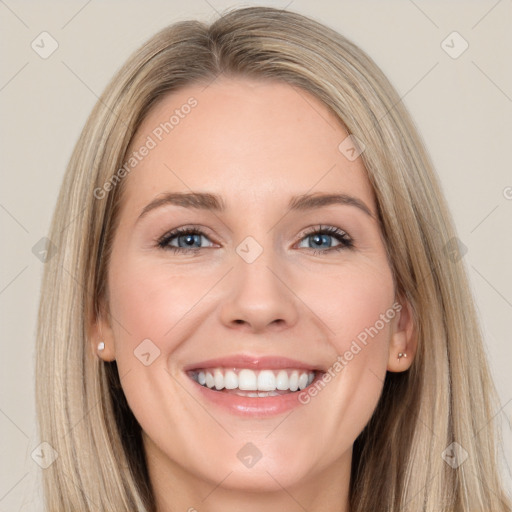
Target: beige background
<point>463,107</point>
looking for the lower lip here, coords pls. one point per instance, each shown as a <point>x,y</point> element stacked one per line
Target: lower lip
<point>253,406</point>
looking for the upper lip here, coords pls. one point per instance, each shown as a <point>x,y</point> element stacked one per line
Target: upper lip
<point>254,362</point>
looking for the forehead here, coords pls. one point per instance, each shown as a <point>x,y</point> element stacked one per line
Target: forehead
<point>243,139</point>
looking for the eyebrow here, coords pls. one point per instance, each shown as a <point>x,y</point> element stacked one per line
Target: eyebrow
<point>310,201</point>
<point>213,202</point>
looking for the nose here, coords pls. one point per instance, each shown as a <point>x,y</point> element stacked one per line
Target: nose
<point>258,297</point>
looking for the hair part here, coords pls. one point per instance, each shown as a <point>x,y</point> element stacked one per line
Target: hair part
<point>447,395</point>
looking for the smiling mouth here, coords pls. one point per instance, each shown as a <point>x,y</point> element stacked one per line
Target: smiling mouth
<point>254,383</point>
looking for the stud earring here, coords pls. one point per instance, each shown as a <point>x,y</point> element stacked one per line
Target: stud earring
<point>402,354</point>
<point>101,346</point>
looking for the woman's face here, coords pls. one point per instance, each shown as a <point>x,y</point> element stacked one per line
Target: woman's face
<point>278,275</point>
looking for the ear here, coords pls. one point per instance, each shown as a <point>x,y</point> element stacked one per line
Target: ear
<point>403,343</point>
<point>100,330</point>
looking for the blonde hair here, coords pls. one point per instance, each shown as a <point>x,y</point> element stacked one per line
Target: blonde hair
<point>447,395</point>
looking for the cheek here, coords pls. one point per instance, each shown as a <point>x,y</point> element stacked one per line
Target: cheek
<point>355,304</point>
<point>151,301</point>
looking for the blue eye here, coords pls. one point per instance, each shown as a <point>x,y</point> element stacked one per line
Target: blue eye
<point>321,238</point>
<point>188,239</point>
<point>182,239</point>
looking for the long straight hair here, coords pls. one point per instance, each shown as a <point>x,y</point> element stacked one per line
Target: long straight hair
<point>446,396</point>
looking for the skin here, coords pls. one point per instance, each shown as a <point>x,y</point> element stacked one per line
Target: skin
<point>256,144</point>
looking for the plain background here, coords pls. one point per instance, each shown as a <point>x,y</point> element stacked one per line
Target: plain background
<point>462,106</point>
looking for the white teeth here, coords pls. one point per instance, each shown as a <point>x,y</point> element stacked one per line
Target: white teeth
<point>247,380</point>
<point>266,382</point>
<point>294,380</point>
<point>282,380</point>
<point>218,379</point>
<point>303,380</point>
<point>209,380</point>
<point>230,380</point>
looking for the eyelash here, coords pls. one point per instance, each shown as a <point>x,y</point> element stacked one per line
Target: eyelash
<point>346,242</point>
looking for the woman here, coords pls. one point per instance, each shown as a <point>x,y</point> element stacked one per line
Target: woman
<point>257,302</point>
